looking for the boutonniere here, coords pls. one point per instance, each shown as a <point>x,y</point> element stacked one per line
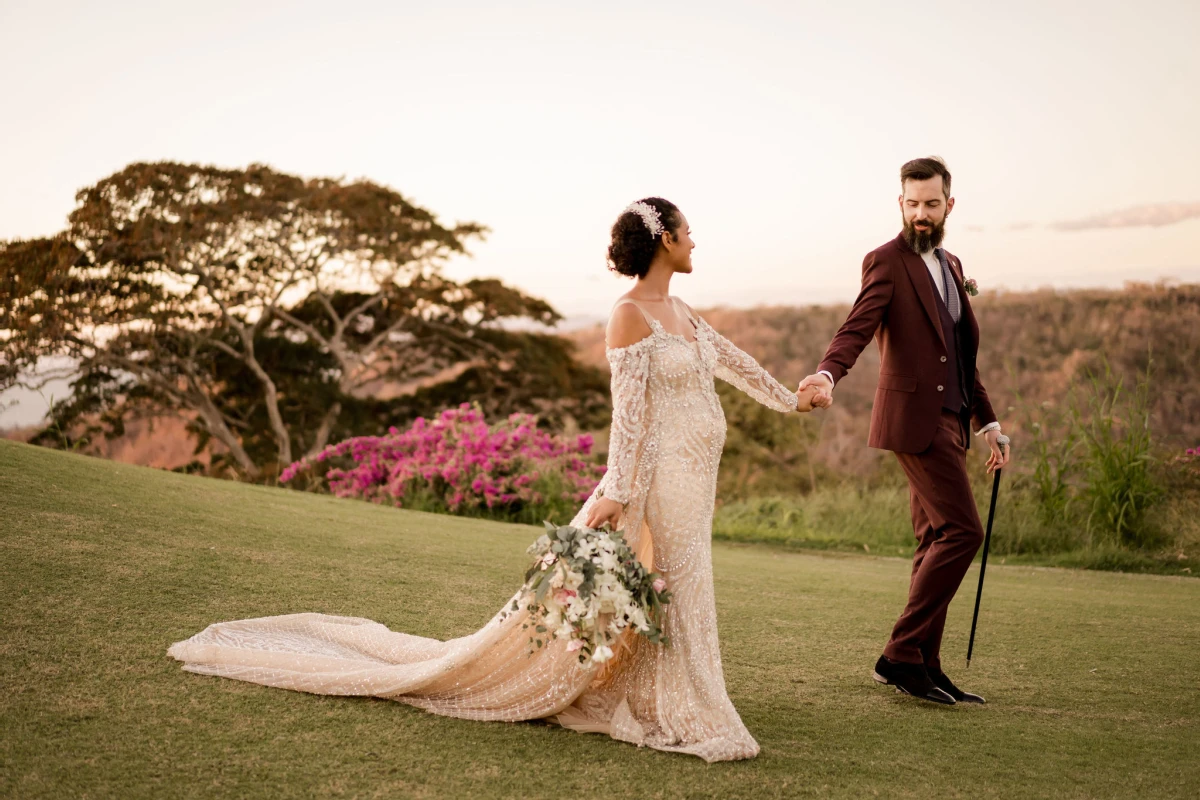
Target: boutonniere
<point>971,286</point>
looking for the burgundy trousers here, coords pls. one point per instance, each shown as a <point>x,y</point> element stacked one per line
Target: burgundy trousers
<point>948,531</point>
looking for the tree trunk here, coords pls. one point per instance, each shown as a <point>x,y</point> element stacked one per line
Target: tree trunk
<point>326,428</point>
<point>283,439</point>
<point>221,432</point>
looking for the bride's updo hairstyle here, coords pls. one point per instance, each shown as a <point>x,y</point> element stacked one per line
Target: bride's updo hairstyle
<point>633,244</point>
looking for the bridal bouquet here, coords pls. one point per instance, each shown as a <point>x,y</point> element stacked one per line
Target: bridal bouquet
<point>586,586</point>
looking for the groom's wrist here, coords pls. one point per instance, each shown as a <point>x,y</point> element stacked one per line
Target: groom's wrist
<point>991,426</point>
<point>827,374</point>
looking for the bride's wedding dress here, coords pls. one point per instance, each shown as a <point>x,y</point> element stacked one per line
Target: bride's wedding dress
<point>665,444</point>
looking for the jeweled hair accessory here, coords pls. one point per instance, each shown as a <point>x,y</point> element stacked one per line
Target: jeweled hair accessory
<point>649,215</point>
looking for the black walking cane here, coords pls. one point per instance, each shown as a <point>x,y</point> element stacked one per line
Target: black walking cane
<point>987,540</point>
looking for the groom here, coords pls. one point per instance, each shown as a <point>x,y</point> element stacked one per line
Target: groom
<point>913,302</point>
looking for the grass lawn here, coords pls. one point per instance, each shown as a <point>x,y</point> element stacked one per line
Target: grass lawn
<point>1092,677</point>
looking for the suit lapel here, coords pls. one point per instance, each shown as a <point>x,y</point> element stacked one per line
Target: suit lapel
<point>918,273</point>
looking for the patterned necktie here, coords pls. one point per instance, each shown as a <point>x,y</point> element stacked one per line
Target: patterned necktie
<point>953,303</point>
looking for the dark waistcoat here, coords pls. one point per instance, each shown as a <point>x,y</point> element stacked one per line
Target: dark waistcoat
<point>954,397</point>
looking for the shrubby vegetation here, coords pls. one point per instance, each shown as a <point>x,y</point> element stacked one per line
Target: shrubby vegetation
<point>266,315</point>
<point>1102,473</point>
<point>459,464</point>
<point>1088,490</point>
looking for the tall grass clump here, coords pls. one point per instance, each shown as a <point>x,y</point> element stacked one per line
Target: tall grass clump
<point>1119,461</point>
<point>1054,447</point>
<point>1089,478</point>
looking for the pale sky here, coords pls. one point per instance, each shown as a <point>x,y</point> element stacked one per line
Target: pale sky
<point>778,127</point>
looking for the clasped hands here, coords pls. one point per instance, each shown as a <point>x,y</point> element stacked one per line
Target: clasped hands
<point>816,391</point>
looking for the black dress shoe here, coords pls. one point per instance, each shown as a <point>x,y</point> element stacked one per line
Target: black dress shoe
<point>942,682</point>
<point>911,679</point>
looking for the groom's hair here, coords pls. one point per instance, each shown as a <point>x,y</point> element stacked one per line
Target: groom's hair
<point>922,169</point>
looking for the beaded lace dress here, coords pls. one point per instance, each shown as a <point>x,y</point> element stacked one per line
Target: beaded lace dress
<point>665,444</point>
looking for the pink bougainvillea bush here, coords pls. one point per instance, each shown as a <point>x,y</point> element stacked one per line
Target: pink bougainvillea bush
<point>459,464</point>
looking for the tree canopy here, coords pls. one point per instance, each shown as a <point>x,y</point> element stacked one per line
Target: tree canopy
<point>259,304</point>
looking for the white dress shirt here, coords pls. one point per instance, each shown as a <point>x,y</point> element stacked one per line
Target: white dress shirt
<point>935,271</point>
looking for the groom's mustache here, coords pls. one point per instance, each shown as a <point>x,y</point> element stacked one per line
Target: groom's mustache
<point>923,234</point>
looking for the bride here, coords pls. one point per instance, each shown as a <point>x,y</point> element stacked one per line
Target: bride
<point>667,433</point>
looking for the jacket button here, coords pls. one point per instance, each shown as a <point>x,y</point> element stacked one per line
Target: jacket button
<point>943,359</point>
<point>941,388</point>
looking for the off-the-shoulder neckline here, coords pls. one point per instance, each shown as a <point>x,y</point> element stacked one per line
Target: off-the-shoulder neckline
<point>661,332</point>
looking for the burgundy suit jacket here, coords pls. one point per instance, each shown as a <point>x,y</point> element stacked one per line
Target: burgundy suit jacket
<point>898,306</point>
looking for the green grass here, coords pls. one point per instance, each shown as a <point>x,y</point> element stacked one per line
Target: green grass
<point>1092,676</point>
<point>877,521</point>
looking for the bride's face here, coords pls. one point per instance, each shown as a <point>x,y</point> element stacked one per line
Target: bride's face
<point>680,250</point>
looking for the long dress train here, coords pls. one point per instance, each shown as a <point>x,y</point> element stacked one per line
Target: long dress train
<point>665,444</point>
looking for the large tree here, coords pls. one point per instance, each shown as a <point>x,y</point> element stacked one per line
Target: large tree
<point>205,290</point>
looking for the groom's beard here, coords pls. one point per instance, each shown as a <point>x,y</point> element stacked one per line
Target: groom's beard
<point>923,241</point>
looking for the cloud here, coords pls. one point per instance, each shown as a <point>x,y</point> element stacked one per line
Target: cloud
<point>1154,215</point>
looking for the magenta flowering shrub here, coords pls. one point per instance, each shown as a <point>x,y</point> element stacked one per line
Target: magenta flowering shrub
<point>459,464</point>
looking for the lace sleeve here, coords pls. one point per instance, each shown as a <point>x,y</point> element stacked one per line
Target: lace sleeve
<point>630,371</point>
<point>736,367</point>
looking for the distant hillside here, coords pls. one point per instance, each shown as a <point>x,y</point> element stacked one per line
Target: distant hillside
<point>1035,345</point>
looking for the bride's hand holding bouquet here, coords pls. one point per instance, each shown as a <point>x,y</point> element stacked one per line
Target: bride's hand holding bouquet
<point>587,587</point>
